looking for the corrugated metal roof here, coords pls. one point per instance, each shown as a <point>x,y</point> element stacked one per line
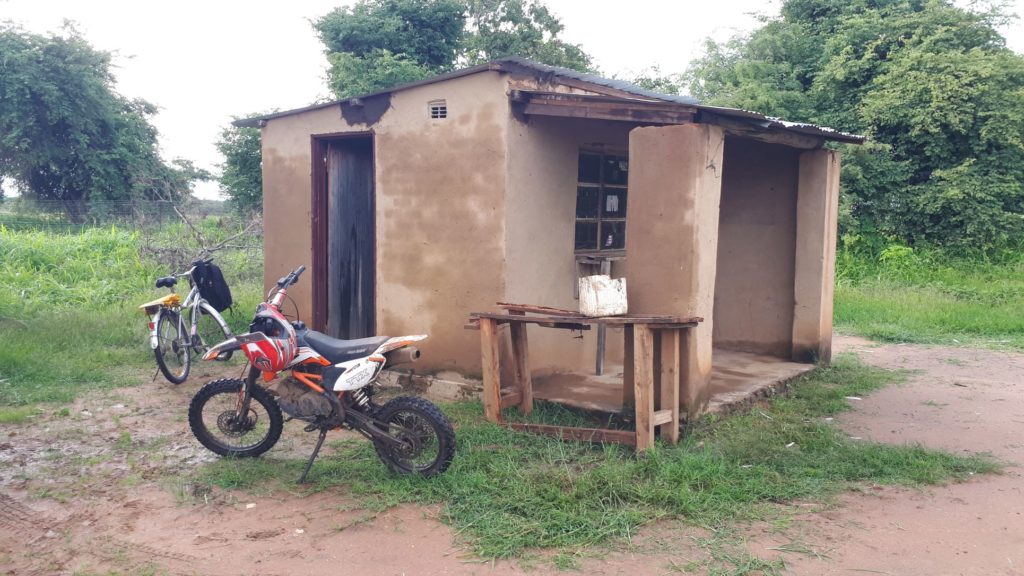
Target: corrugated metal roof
<point>515,64</point>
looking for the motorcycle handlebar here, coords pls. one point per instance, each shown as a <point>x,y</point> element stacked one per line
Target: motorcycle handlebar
<point>291,278</point>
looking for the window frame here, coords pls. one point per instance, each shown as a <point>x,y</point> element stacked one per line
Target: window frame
<point>602,187</point>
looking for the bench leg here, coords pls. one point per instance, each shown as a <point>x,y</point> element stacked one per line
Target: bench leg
<point>521,365</point>
<point>643,386</point>
<point>670,377</point>
<point>491,358</point>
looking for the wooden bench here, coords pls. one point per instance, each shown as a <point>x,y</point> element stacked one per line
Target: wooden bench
<point>644,365</point>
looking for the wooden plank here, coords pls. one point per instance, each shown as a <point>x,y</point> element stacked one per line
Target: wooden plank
<point>563,325</point>
<point>628,399</point>
<point>583,434</point>
<point>510,398</point>
<point>491,360</point>
<point>622,113</point>
<point>616,320</point>
<point>671,355</point>
<point>534,309</point>
<point>521,366</point>
<point>661,417</point>
<point>643,385</point>
<point>737,127</point>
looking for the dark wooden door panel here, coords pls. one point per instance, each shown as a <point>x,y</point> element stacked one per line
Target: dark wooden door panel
<point>351,239</point>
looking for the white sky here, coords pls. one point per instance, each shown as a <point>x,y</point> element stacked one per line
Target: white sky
<point>202,62</point>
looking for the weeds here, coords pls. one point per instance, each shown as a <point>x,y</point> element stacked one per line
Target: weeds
<point>68,309</point>
<point>930,296</point>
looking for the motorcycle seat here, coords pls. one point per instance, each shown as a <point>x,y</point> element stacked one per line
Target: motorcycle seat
<point>337,350</point>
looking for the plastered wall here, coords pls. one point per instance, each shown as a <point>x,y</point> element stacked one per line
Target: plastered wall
<point>540,224</point>
<point>756,246</point>
<point>440,188</point>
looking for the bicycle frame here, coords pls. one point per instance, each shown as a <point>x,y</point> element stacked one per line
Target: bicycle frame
<point>187,319</point>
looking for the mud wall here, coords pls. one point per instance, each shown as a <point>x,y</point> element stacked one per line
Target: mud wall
<point>440,187</point>
<point>539,231</point>
<point>756,248</point>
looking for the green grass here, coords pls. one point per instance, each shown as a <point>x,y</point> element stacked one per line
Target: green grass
<point>508,492</point>
<point>927,296</point>
<point>69,321</point>
<point>17,414</point>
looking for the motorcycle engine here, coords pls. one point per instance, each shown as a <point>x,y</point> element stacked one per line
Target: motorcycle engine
<point>299,401</point>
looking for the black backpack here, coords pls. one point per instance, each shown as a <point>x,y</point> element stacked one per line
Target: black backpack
<point>212,286</point>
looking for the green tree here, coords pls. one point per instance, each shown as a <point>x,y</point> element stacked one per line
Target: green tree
<point>67,135</point>
<point>525,28</point>
<point>241,177</point>
<point>377,44</point>
<point>931,84</point>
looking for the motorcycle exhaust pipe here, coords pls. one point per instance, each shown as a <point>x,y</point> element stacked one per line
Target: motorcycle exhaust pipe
<point>402,356</point>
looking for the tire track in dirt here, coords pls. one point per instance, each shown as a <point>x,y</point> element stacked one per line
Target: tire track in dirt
<point>14,515</point>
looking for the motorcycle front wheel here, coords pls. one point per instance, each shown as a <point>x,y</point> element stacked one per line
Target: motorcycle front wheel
<point>426,436</point>
<point>214,419</point>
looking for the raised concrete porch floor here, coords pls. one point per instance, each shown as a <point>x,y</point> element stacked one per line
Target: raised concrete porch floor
<point>736,379</point>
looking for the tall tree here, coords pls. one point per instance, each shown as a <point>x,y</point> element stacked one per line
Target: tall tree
<point>526,28</point>
<point>241,176</point>
<point>931,84</point>
<point>67,135</point>
<point>376,44</point>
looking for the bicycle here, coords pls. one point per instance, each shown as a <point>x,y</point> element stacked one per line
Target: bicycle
<point>172,337</point>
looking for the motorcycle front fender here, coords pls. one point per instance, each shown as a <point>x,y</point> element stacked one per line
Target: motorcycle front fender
<point>225,346</point>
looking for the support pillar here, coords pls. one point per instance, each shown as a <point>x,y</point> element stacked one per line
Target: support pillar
<point>817,212</point>
<point>675,185</point>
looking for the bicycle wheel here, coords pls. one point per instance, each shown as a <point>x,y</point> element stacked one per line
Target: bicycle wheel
<point>171,347</point>
<point>213,418</point>
<point>211,329</point>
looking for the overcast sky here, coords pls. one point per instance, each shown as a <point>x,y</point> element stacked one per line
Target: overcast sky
<point>202,62</point>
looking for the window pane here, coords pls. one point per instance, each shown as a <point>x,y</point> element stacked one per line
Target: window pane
<point>616,169</point>
<point>586,235</point>
<point>587,201</point>
<point>614,205</point>
<point>613,235</point>
<point>590,168</point>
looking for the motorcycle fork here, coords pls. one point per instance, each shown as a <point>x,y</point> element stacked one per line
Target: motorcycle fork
<point>245,394</point>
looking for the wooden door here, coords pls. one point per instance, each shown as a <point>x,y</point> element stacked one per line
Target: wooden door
<point>351,242</point>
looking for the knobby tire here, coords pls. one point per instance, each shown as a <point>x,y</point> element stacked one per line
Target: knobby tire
<point>215,391</point>
<point>408,411</point>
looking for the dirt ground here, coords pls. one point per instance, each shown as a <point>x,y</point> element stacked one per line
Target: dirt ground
<point>100,490</point>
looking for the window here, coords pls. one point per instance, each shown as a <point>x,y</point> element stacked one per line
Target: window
<point>601,194</point>
<point>438,109</point>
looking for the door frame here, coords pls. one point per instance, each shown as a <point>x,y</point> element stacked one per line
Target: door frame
<point>319,221</point>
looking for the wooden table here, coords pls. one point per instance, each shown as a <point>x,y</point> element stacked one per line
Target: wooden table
<point>645,364</point>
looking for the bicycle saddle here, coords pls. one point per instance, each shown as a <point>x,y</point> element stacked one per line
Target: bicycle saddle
<point>166,282</point>
<point>337,350</point>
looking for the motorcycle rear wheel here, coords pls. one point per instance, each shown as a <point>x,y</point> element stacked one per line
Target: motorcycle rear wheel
<point>213,418</point>
<point>428,440</point>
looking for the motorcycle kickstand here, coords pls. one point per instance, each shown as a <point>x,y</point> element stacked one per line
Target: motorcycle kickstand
<point>319,443</point>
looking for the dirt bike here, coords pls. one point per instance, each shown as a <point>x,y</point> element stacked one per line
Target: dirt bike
<point>330,386</point>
